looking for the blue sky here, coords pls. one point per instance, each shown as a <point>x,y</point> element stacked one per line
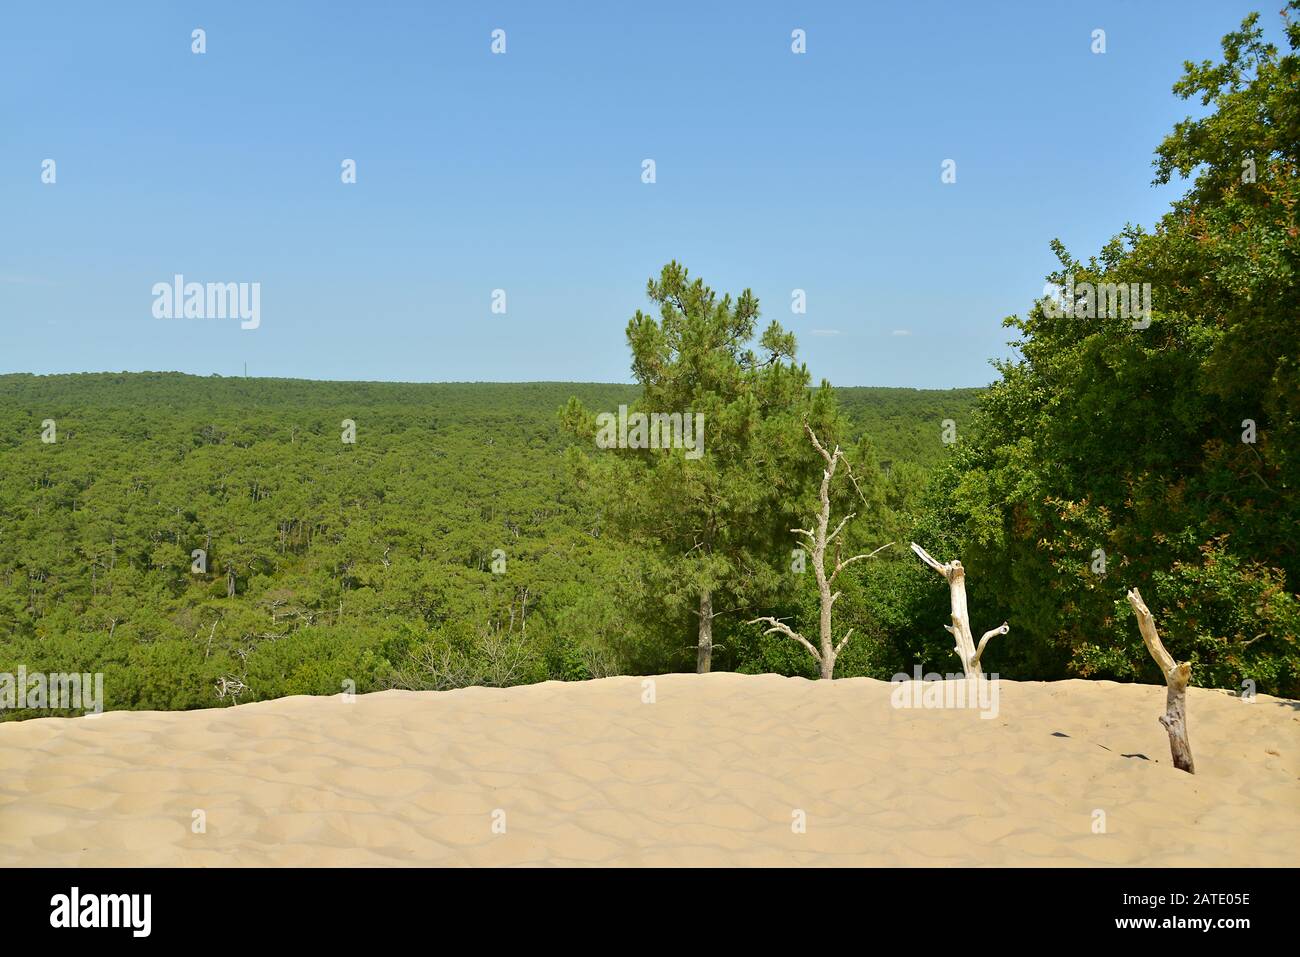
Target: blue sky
<point>522,172</point>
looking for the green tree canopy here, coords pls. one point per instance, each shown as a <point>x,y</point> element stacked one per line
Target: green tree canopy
<point>1113,454</point>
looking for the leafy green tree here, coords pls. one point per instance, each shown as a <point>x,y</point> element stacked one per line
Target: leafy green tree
<point>1118,452</point>
<point>719,521</point>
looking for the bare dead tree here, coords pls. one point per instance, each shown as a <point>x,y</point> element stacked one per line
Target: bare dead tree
<point>819,539</point>
<point>230,686</point>
<point>497,659</point>
<point>208,650</point>
<point>966,649</point>
<point>1177,676</point>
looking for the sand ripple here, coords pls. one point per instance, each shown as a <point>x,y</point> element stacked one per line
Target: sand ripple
<point>715,772</point>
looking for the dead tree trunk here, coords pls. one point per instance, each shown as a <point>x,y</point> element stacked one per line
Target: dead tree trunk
<point>704,647</point>
<point>819,538</point>
<point>966,648</point>
<point>1177,677</point>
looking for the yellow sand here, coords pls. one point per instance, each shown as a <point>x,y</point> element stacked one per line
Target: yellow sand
<point>715,772</point>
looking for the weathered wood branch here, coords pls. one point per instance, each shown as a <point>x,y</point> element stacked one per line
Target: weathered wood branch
<point>840,566</point>
<point>1177,677</point>
<point>1002,629</point>
<point>839,528</point>
<point>930,560</point>
<point>779,626</point>
<point>817,445</point>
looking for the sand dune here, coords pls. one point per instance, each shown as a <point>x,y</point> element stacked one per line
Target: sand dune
<point>715,772</point>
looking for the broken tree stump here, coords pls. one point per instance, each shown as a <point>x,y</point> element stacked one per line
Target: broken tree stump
<point>1177,676</point>
<point>965,648</point>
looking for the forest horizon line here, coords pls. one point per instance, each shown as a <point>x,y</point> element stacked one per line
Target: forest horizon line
<point>417,382</point>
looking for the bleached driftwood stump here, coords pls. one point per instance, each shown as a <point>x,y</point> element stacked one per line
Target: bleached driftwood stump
<point>966,649</point>
<point>1177,676</point>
